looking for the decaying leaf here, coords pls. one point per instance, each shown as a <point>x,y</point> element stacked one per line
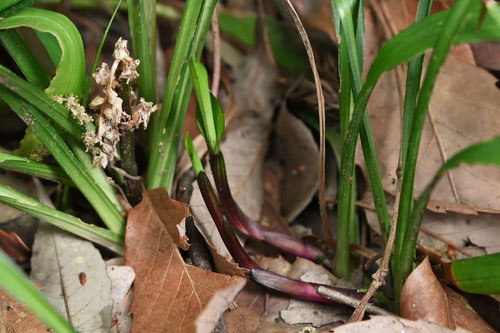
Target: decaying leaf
<point>423,297</point>
<point>296,148</point>
<point>173,214</point>
<point>121,282</point>
<point>170,296</point>
<point>58,261</point>
<point>15,317</point>
<point>394,325</point>
<point>13,245</point>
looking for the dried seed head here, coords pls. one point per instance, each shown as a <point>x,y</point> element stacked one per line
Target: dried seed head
<point>112,117</point>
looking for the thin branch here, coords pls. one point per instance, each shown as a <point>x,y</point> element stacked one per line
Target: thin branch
<point>351,301</point>
<point>216,55</point>
<point>321,113</point>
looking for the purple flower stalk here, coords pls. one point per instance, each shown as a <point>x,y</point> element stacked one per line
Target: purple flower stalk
<point>253,229</point>
<point>294,288</point>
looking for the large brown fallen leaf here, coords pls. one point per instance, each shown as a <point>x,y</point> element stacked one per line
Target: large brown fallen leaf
<point>170,296</point>
<point>394,325</point>
<point>423,297</point>
<point>17,318</point>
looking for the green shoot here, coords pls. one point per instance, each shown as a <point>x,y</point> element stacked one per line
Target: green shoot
<point>195,159</point>
<point>19,286</point>
<point>60,219</point>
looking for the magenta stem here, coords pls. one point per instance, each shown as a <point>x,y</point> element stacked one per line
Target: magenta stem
<point>294,288</point>
<point>253,229</point>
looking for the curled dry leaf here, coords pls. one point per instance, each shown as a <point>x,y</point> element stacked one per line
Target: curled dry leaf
<point>423,297</point>
<point>15,317</point>
<point>13,245</point>
<point>297,150</point>
<point>168,294</point>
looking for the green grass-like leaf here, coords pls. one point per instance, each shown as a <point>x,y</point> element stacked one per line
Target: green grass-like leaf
<point>10,7</point>
<point>24,59</point>
<point>478,275</point>
<point>67,160</point>
<point>30,167</point>
<point>195,159</point>
<point>61,220</point>
<point>142,22</point>
<point>481,153</point>
<point>19,286</point>
<point>199,76</point>
<point>167,124</point>
<point>70,72</point>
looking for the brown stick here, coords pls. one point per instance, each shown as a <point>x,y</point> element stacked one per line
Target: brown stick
<point>321,113</point>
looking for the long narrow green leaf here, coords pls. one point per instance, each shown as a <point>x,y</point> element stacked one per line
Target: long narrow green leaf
<point>71,69</point>
<point>10,7</point>
<point>478,275</point>
<point>142,22</point>
<point>168,124</point>
<point>407,44</point>
<point>60,219</point>
<point>30,167</point>
<point>457,17</point>
<point>20,287</point>
<point>413,76</point>
<point>346,209</point>
<point>24,59</point>
<point>68,161</point>
<point>193,154</point>
<point>51,45</point>
<point>199,76</point>
<point>481,153</point>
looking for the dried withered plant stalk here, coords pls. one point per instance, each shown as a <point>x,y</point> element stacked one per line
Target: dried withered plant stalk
<point>112,121</point>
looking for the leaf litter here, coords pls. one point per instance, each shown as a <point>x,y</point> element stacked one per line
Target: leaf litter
<point>170,295</point>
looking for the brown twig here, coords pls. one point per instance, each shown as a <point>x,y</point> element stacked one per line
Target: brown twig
<point>351,301</point>
<point>216,55</point>
<point>321,113</point>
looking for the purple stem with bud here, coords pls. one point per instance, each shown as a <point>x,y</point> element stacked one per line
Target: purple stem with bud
<point>294,288</point>
<point>253,229</point>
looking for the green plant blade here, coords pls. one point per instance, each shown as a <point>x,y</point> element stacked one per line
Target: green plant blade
<point>195,159</point>
<point>60,219</point>
<point>167,125</point>
<point>199,76</point>
<point>30,167</point>
<point>24,59</point>
<point>142,22</point>
<point>51,45</point>
<point>68,161</point>
<point>487,152</point>
<point>413,76</point>
<point>478,275</point>
<point>53,110</point>
<point>70,72</point>
<point>20,287</point>
<point>350,66</point>
<point>218,118</point>
<point>457,17</point>
<point>10,7</point>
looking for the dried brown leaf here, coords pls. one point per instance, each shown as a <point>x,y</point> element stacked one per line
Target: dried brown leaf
<point>170,296</point>
<point>394,325</point>
<point>15,317</point>
<point>423,297</point>
<point>13,245</point>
